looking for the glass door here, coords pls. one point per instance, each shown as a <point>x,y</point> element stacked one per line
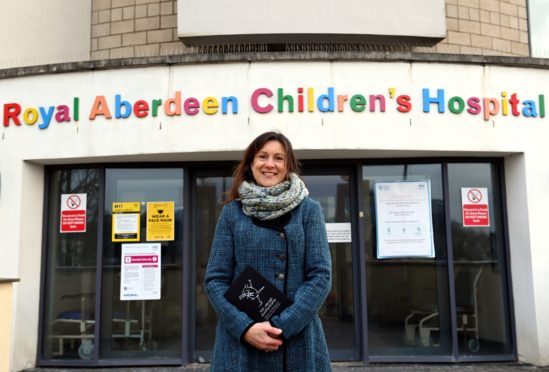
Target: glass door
<point>480,265</point>
<point>143,224</point>
<point>407,297</point>
<point>71,265</point>
<point>208,188</point>
<point>451,305</point>
<point>332,189</point>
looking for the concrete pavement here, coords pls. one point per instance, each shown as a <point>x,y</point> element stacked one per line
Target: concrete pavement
<point>337,367</point>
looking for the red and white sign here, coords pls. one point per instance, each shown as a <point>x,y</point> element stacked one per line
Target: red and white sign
<point>73,213</point>
<point>474,202</point>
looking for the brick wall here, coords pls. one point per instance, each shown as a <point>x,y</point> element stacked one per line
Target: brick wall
<point>142,28</point>
<point>487,27</point>
<point>134,28</point>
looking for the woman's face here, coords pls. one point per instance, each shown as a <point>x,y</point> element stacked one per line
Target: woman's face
<point>269,164</point>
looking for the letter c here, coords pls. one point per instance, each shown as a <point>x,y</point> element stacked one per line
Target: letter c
<point>255,97</point>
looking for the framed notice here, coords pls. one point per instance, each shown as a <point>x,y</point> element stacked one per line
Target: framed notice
<point>403,219</point>
<point>160,221</point>
<point>140,272</point>
<point>126,221</point>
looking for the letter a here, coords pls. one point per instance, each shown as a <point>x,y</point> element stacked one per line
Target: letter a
<point>100,107</point>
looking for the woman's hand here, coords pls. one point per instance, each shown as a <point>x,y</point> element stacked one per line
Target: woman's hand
<point>264,336</point>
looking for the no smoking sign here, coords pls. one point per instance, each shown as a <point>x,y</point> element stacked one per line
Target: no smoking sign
<point>474,196</point>
<point>74,201</point>
<point>73,213</point>
<point>474,204</point>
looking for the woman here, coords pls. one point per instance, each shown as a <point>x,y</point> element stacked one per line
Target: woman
<point>271,224</point>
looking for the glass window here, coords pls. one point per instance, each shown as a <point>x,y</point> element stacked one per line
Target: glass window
<point>407,298</point>
<point>455,305</point>
<point>332,191</point>
<point>69,317</point>
<point>539,27</point>
<point>207,205</point>
<point>482,309</point>
<point>140,329</point>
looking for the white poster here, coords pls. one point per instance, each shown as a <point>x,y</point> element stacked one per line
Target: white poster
<point>140,272</point>
<point>125,227</point>
<point>339,232</point>
<point>404,222</point>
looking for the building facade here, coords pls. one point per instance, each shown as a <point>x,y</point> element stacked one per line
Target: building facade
<point>420,130</point>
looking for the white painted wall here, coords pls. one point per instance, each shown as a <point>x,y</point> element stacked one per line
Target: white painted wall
<point>420,18</point>
<point>42,32</point>
<point>521,268</point>
<point>521,141</point>
<point>27,296</point>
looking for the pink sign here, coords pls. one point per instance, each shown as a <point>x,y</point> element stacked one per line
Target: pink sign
<point>143,259</point>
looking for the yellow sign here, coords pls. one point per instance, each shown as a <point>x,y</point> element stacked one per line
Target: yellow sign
<point>160,221</point>
<point>126,207</point>
<point>126,221</point>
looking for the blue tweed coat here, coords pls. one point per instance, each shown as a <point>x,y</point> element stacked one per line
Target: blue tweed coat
<point>301,245</point>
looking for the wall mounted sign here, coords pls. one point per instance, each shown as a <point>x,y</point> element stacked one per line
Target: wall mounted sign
<point>73,213</point>
<point>265,100</point>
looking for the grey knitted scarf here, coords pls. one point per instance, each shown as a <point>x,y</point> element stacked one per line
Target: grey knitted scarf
<point>268,203</point>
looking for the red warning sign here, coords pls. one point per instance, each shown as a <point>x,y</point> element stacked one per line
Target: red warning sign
<point>73,213</point>
<point>474,201</point>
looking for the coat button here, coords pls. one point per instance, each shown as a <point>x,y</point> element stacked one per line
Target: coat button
<point>281,256</point>
<point>280,276</point>
<point>282,235</point>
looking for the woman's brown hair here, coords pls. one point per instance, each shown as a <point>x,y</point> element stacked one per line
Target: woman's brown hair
<point>242,172</point>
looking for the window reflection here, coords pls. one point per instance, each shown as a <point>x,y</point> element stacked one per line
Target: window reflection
<point>408,303</point>
<point>142,328</point>
<point>337,313</point>
<point>539,27</point>
<point>71,266</point>
<point>479,263</point>
<point>208,204</point>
